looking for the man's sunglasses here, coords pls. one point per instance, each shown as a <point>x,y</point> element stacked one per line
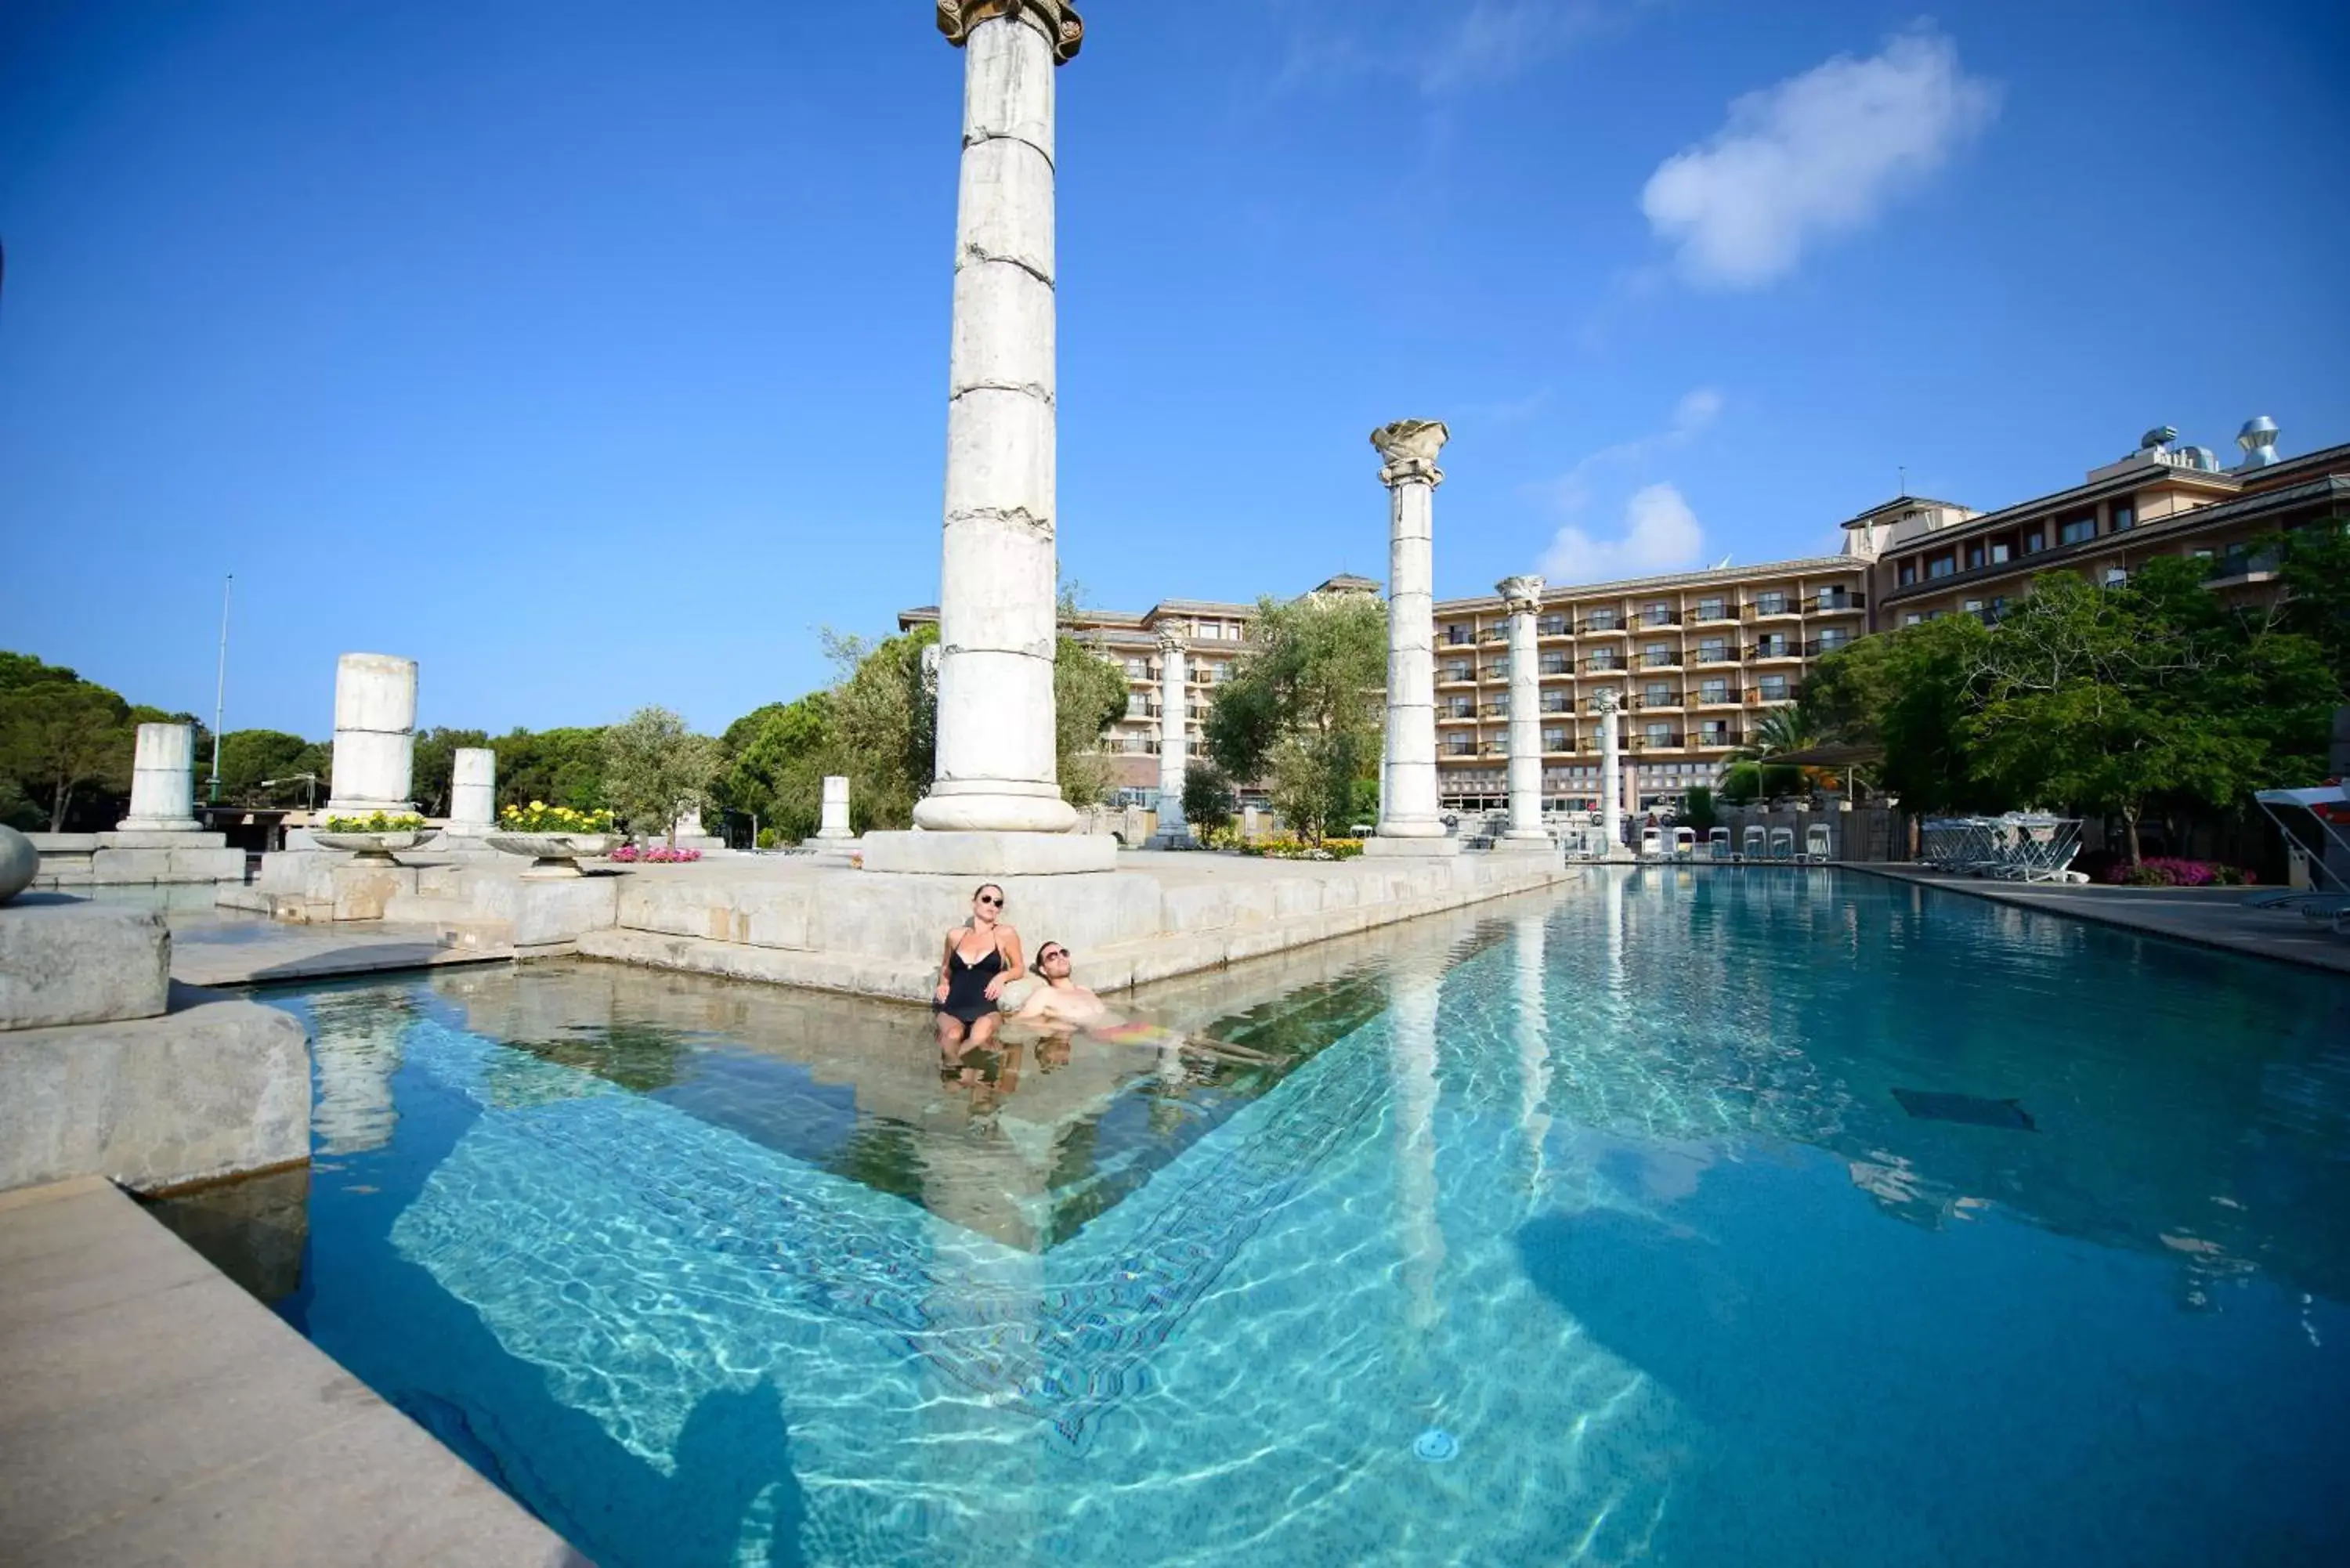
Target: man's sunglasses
<point>1049,954</point>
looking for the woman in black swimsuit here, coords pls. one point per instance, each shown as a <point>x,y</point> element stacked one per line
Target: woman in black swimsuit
<point>982,958</point>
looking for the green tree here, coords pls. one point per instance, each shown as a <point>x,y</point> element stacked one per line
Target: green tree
<point>1207,799</point>
<point>436,766</point>
<point>656,768</point>
<point>559,767</point>
<point>2314,562</point>
<point>59,737</point>
<point>884,722</point>
<point>778,767</point>
<point>1911,693</point>
<point>1699,810</point>
<point>248,757</point>
<point>1304,708</point>
<point>1088,695</point>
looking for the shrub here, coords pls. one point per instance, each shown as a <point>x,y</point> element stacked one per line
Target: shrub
<point>657,855</point>
<point>378,823</point>
<point>1288,848</point>
<point>2166,871</point>
<point>540,818</point>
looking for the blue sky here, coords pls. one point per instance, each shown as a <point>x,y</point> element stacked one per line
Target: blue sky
<point>595,354</point>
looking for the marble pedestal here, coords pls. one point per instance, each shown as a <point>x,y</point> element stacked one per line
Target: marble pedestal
<point>1410,848</point>
<point>990,853</point>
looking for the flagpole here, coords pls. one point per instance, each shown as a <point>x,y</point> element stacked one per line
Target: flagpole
<point>219,692</point>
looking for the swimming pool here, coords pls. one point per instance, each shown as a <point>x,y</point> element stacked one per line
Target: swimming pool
<point>1584,1228</point>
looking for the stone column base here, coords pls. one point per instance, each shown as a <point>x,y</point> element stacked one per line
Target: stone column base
<point>175,825</point>
<point>990,853</point>
<point>1172,838</point>
<point>1412,847</point>
<point>128,838</point>
<point>1530,844</point>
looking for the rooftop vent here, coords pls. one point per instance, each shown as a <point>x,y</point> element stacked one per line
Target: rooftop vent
<point>2259,439</point>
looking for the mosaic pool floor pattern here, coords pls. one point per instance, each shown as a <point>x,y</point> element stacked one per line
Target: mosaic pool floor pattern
<point>1614,1190</point>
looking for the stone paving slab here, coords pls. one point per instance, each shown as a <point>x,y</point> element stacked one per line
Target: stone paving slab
<point>246,951</point>
<point>2212,916</point>
<point>153,1412</point>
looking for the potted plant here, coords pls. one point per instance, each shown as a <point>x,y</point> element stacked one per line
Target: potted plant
<point>374,840</point>
<point>556,837</point>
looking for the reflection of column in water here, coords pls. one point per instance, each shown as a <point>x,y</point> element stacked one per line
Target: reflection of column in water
<point>1533,1047</point>
<point>357,1049</point>
<point>1412,1062</point>
<point>1615,933</point>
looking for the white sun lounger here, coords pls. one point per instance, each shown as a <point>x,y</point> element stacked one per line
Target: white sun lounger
<point>1782,844</point>
<point>1818,844</point>
<point>1753,844</point>
<point>1652,845</point>
<point>1717,843</point>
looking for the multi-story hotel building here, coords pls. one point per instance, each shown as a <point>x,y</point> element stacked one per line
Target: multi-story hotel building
<point>1934,559</point>
<point>1696,659</point>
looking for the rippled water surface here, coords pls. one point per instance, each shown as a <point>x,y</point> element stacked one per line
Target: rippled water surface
<point>1607,1196</point>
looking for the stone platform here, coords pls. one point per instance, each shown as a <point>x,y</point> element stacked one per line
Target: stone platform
<point>71,860</point>
<point>151,1412</point>
<point>1157,915</point>
<point>108,1069</point>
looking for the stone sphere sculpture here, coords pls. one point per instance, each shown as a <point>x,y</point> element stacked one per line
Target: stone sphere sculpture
<point>18,863</point>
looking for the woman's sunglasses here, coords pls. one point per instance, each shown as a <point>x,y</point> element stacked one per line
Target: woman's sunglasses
<point>991,903</point>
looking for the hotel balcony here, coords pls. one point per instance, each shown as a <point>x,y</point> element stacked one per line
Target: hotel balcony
<point>1558,666</point>
<point>1727,697</point>
<point>1836,601</point>
<point>1456,715</point>
<point>1658,617</point>
<point>1722,614</point>
<point>1769,650</point>
<point>1660,661</point>
<point>1699,657</point>
<point>1494,711</point>
<point>1665,741</point>
<point>1551,626</point>
<point>1670,703</point>
<point>1606,625</point>
<point>1454,748</point>
<point>1591,705</point>
<point>1758,698</point>
<point>1457,637</point>
<point>1561,707</point>
<point>1820,646</point>
<point>1557,747</point>
<point>1719,740</point>
<point>1784,608</point>
<point>1452,677</point>
<point>1605,664</point>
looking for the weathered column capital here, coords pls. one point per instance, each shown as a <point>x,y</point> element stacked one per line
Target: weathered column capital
<point>1173,640</point>
<point>1606,701</point>
<point>1409,449</point>
<point>1520,596</point>
<point>1057,19</point>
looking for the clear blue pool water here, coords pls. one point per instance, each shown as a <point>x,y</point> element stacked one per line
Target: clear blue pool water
<point>1613,1190</point>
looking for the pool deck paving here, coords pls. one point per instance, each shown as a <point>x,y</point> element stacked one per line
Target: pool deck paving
<point>244,950</point>
<point>2211,916</point>
<point>151,1412</point>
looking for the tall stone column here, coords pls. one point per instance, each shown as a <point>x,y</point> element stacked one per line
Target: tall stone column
<point>1522,597</point>
<point>1611,773</point>
<point>834,824</point>
<point>375,735</point>
<point>1408,819</point>
<point>473,793</point>
<point>162,781</point>
<point>996,769</point>
<point>1174,740</point>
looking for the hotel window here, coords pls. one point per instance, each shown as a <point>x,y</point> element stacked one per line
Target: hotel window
<point>1908,572</point>
<point>1941,565</point>
<point>1998,609</point>
<point>2125,516</point>
<point>1659,734</point>
<point>1137,670</point>
<point>1657,694</point>
<point>1554,739</point>
<point>1456,636</point>
<point>1774,689</point>
<point>1134,705</point>
<point>1714,690</point>
<point>1657,614</point>
<point>1770,603</point>
<point>1830,641</point>
<point>1713,650</point>
<point>1551,626</point>
<point>2034,542</point>
<point>1458,670</point>
<point>1657,654</point>
<point>1912,619</point>
<point>1716,733</point>
<point>1975,557</point>
<point>1712,609</point>
<point>1971,606</point>
<point>1999,552</point>
<point>1774,647</point>
<point>2077,531</point>
<point>2116,576</point>
<point>1604,620</point>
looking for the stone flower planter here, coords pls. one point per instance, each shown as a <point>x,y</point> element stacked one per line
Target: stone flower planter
<point>554,855</point>
<point>376,848</point>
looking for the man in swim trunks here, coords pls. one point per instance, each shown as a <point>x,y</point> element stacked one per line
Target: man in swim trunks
<point>1061,1000</point>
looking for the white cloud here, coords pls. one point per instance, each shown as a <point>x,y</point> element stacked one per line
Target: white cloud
<point>1660,535</point>
<point>1815,156</point>
<point>1495,39</point>
<point>1697,408</point>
